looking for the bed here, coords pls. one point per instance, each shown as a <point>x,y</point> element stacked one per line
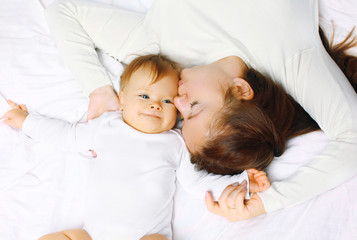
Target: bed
<point>43,189</point>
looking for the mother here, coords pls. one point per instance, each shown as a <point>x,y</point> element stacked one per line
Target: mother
<point>278,38</point>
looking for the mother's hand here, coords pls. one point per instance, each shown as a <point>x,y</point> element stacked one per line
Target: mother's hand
<point>231,204</point>
<point>102,99</point>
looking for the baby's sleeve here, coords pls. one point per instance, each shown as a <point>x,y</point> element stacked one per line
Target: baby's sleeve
<point>197,183</point>
<point>76,137</point>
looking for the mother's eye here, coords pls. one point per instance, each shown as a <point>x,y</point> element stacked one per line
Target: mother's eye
<point>193,103</point>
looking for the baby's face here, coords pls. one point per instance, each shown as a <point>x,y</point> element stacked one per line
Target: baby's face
<point>149,107</point>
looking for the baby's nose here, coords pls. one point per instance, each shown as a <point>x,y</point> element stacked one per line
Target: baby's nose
<point>156,106</point>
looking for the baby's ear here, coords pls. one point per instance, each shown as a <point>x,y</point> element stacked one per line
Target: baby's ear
<point>121,99</point>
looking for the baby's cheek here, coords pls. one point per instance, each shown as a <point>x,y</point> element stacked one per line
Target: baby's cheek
<point>174,114</point>
<point>171,118</point>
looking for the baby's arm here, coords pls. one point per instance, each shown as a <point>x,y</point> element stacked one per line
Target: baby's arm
<point>75,137</point>
<point>197,183</point>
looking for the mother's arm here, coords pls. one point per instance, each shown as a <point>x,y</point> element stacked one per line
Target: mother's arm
<point>80,27</point>
<point>318,84</point>
<point>322,89</point>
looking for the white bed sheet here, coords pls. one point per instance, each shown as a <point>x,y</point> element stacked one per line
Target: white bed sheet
<point>42,189</point>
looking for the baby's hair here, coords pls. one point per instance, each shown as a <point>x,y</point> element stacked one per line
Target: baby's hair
<point>158,64</point>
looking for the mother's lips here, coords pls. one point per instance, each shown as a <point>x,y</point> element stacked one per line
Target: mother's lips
<point>180,82</point>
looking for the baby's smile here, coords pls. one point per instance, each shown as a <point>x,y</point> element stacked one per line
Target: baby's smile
<point>152,115</point>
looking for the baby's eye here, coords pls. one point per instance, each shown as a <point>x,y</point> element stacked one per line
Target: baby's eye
<point>144,96</point>
<point>166,101</point>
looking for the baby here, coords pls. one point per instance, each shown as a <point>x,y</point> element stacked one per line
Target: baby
<point>139,157</point>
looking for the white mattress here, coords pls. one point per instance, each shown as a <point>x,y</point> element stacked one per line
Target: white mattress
<point>42,189</point>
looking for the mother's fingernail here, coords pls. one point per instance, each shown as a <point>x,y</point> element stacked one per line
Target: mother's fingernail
<point>235,184</point>
<point>244,182</point>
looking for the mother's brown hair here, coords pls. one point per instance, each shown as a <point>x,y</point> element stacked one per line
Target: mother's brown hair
<point>248,134</point>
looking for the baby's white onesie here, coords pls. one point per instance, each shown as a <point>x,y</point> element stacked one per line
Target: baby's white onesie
<point>132,182</point>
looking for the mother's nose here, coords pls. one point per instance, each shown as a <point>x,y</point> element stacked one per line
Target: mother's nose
<point>182,104</point>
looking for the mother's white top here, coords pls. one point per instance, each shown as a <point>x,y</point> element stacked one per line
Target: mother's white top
<point>277,37</point>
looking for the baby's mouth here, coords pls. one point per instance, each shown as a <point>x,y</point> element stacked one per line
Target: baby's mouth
<point>151,115</point>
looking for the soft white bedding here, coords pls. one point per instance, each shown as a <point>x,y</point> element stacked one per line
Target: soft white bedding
<point>42,189</point>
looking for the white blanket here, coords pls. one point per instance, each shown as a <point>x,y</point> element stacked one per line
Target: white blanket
<point>42,189</point>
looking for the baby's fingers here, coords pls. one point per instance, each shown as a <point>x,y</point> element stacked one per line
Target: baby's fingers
<point>266,184</point>
<point>260,173</point>
<point>3,119</point>
<point>252,171</point>
<point>261,178</point>
<point>6,116</point>
<point>23,107</point>
<point>263,183</point>
<point>12,104</point>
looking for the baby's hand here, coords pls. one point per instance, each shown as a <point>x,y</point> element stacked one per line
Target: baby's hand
<point>15,117</point>
<point>258,180</point>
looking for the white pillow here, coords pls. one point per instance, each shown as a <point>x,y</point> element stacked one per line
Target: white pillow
<point>134,5</point>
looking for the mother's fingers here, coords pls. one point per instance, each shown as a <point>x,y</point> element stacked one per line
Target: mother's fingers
<point>212,206</point>
<point>226,201</point>
<point>238,192</point>
<point>224,195</point>
<point>238,199</point>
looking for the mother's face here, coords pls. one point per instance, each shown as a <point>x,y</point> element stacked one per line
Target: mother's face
<point>201,96</point>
